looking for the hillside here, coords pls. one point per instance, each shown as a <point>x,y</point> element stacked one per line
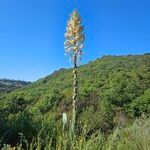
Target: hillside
<point>7,85</point>
<point>113,91</point>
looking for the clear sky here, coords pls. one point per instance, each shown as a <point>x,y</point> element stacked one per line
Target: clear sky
<point>32,33</point>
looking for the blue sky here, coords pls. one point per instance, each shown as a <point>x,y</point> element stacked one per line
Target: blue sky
<point>32,33</point>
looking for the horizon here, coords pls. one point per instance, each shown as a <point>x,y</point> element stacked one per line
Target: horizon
<point>32,34</point>
<point>71,67</point>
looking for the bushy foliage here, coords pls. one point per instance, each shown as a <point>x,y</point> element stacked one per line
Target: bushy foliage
<point>16,120</point>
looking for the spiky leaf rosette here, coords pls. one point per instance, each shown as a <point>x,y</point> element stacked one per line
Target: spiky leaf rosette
<point>74,36</point>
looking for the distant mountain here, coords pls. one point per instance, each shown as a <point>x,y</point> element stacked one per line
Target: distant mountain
<point>7,85</point>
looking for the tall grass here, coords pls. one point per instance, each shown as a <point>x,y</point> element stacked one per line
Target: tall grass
<point>133,137</point>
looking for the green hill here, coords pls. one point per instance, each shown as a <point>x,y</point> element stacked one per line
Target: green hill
<point>113,91</point>
<point>7,85</point>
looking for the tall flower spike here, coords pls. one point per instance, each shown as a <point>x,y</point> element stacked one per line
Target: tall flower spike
<point>74,36</point>
<point>73,47</point>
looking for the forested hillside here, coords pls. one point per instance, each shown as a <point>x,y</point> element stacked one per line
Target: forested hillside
<point>113,92</point>
<point>7,85</point>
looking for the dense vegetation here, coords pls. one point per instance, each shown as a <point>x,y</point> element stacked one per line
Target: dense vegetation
<point>7,85</point>
<point>114,91</point>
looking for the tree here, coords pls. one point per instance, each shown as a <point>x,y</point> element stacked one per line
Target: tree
<point>73,47</point>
